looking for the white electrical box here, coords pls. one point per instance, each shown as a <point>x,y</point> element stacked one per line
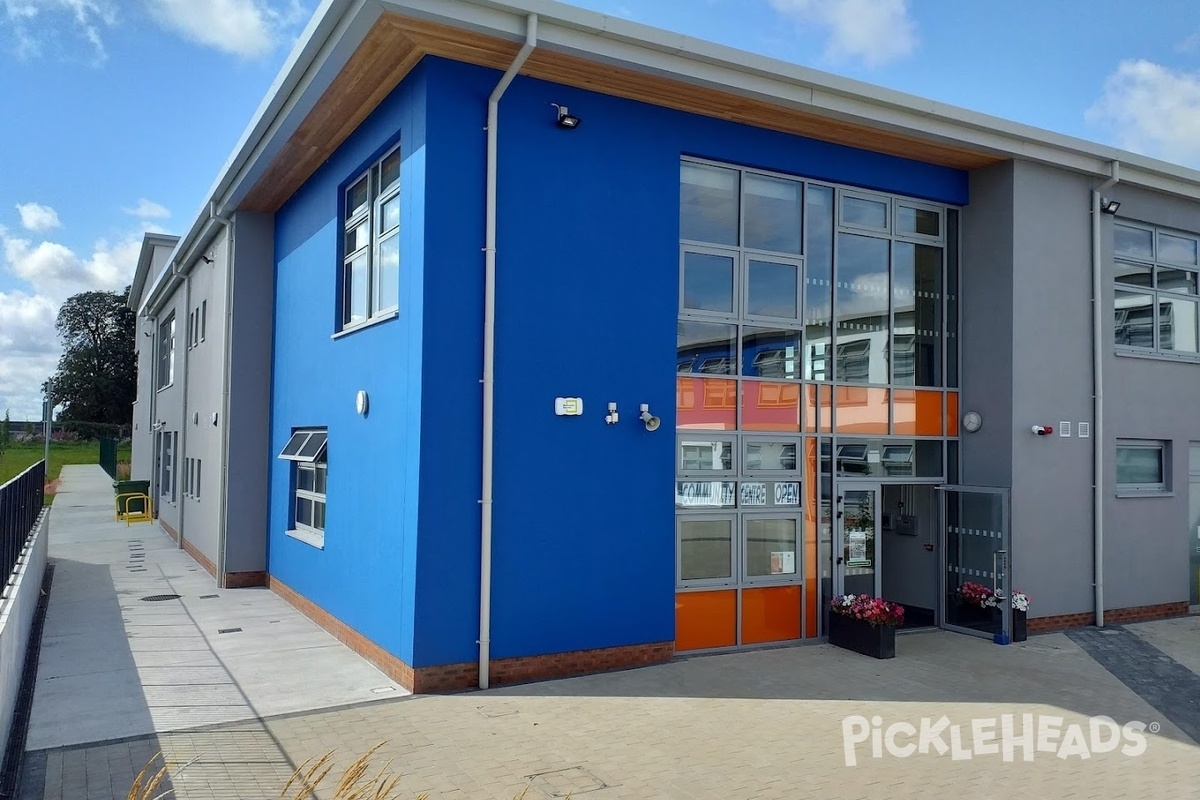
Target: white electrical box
<point>568,406</point>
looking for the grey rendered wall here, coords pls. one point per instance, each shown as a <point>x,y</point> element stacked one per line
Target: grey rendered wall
<point>1052,521</point>
<point>205,365</point>
<point>1147,539</point>
<point>142,461</point>
<point>168,406</point>
<point>250,392</point>
<point>986,312</point>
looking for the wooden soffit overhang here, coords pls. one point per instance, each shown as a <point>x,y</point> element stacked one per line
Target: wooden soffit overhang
<point>396,44</point>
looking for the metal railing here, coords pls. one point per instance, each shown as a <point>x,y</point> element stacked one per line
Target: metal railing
<point>108,457</point>
<point>21,501</point>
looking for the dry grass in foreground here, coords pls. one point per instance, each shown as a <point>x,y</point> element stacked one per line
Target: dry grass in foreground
<point>355,783</point>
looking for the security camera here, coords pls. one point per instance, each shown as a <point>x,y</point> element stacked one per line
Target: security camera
<point>652,422</point>
<point>1043,430</point>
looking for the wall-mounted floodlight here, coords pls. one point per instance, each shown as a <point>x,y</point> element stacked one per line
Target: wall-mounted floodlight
<point>565,118</point>
<point>1109,206</point>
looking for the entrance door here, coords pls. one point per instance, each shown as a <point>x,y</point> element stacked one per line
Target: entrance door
<point>856,562</point>
<point>975,540</point>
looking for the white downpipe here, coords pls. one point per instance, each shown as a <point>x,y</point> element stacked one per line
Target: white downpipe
<point>179,454</point>
<point>1098,350</point>
<point>223,420</point>
<point>489,352</point>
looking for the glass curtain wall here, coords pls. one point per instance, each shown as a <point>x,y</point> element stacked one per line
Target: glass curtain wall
<point>804,308</point>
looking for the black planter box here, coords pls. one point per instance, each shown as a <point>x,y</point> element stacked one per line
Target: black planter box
<point>859,636</point>
<point>1018,621</point>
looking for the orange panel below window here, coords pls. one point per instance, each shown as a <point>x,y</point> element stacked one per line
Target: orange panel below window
<point>862,410</point>
<point>770,406</point>
<point>916,412</point>
<point>952,413</point>
<point>770,615</point>
<point>705,619</point>
<point>706,403</point>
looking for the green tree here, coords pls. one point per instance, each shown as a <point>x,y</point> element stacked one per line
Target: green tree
<point>96,379</point>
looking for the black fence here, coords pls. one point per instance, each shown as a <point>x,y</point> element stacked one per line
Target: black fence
<point>108,457</point>
<point>21,501</point>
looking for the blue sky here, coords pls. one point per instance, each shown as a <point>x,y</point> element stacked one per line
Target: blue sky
<point>117,114</point>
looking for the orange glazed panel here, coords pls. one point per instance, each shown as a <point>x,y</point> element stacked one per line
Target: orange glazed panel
<point>706,403</point>
<point>952,413</point>
<point>705,619</point>
<point>770,615</point>
<point>826,405</point>
<point>770,406</point>
<point>862,410</point>
<point>916,412</point>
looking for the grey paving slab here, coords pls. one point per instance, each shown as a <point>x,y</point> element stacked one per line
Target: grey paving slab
<point>114,665</point>
<point>1169,686</point>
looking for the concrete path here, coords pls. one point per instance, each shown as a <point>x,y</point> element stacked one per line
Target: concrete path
<point>764,724</point>
<point>115,665</point>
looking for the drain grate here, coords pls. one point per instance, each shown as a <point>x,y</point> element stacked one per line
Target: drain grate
<point>229,630</point>
<point>208,596</point>
<point>156,598</point>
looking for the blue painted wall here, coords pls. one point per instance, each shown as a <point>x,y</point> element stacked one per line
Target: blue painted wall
<point>365,576</point>
<point>584,550</point>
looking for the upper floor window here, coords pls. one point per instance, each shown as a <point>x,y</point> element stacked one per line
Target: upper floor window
<point>166,353</point>
<point>1155,298</point>
<point>371,245</point>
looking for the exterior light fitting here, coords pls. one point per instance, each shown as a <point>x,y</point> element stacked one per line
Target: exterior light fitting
<point>565,118</point>
<point>1109,206</point>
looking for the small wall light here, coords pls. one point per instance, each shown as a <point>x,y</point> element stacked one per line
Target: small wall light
<point>611,417</point>
<point>361,402</point>
<point>652,422</point>
<point>565,118</point>
<point>1109,206</point>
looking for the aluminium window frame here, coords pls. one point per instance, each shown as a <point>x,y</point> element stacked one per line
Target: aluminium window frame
<point>795,515</point>
<point>317,464</point>
<point>372,215</point>
<point>1162,487</point>
<point>165,352</point>
<point>730,582</point>
<point>1155,264</point>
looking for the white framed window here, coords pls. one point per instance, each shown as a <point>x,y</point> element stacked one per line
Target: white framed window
<point>370,280</point>
<point>1142,466</point>
<point>203,319</point>
<point>166,353</point>
<point>306,449</point>
<point>1156,296</point>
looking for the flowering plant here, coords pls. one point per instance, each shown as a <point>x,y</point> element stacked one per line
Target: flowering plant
<point>976,594</point>
<point>1020,601</point>
<point>873,610</point>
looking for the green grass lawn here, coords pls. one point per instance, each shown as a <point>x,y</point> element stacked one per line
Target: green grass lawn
<point>18,457</point>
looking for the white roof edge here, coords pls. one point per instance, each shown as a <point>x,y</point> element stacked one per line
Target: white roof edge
<point>619,41</point>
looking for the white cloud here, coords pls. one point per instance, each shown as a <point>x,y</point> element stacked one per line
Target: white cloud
<point>30,352</point>
<point>38,218</point>
<point>34,21</point>
<point>874,31</point>
<point>247,28</point>
<point>1151,109</point>
<point>29,345</point>
<point>57,272</point>
<point>147,209</point>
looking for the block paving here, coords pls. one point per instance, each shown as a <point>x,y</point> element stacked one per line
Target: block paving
<point>761,724</point>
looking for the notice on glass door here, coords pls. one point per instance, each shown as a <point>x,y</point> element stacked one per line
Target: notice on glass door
<point>856,549</point>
